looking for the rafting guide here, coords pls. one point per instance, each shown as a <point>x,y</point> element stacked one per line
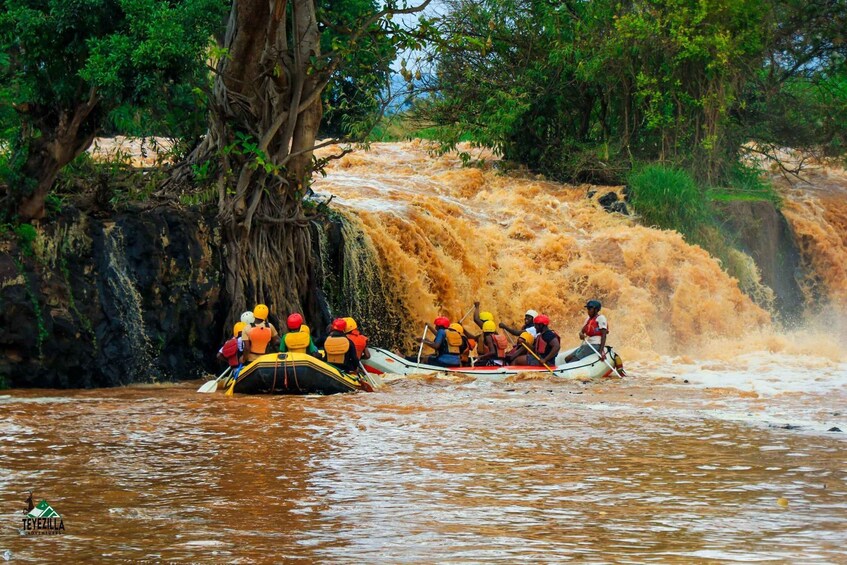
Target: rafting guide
<point>41,519</point>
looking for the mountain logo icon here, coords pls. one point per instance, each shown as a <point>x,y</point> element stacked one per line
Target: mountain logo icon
<point>41,519</point>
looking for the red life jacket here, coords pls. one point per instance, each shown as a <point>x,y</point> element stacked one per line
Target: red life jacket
<point>230,351</point>
<point>541,345</point>
<point>360,341</point>
<point>502,345</point>
<point>591,329</point>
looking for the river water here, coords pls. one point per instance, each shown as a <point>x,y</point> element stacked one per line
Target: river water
<point>722,446</point>
<point>652,468</point>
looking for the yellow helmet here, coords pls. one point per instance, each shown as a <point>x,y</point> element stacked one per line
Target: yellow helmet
<point>305,329</point>
<point>485,316</point>
<point>455,326</point>
<point>351,324</point>
<point>238,328</point>
<point>260,311</point>
<point>489,326</point>
<point>527,337</point>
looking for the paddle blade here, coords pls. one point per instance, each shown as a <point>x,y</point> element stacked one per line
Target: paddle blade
<point>209,387</point>
<point>231,390</point>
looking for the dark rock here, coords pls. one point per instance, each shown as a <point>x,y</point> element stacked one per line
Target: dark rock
<point>607,200</point>
<point>591,193</point>
<point>834,429</point>
<point>685,381</point>
<point>762,231</point>
<point>627,193</point>
<point>619,207</point>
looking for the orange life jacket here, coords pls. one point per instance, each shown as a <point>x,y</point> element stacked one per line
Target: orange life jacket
<point>591,329</point>
<point>360,341</point>
<point>541,345</point>
<point>297,342</point>
<point>336,348</point>
<point>502,345</point>
<point>260,337</point>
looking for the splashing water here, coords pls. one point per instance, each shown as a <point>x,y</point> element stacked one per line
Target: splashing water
<point>447,235</point>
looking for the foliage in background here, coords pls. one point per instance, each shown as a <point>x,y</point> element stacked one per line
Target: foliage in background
<point>355,94</point>
<point>586,90</point>
<point>70,68</point>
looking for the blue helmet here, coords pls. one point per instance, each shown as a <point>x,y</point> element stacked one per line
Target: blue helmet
<point>593,304</point>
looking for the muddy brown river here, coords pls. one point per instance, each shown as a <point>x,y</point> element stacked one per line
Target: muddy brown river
<point>427,471</point>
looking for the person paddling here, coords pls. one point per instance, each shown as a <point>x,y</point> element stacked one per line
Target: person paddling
<point>594,332</point>
<point>547,343</point>
<point>448,344</point>
<point>298,338</point>
<point>339,350</point>
<point>528,325</point>
<point>232,350</point>
<point>518,355</point>
<point>495,345</point>
<point>260,335</point>
<point>358,339</point>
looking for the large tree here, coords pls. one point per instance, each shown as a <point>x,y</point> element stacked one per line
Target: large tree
<point>265,116</point>
<point>66,64</point>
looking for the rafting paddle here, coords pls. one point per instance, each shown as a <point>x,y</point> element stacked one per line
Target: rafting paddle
<point>212,385</point>
<point>423,337</point>
<point>531,352</point>
<point>467,314</point>
<point>603,358</point>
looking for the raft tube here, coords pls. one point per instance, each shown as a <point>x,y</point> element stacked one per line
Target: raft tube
<point>383,361</point>
<point>293,373</point>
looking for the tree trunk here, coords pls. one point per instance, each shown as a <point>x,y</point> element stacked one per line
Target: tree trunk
<point>62,141</point>
<point>265,116</point>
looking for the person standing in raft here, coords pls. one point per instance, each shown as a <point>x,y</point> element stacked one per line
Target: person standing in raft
<point>528,324</point>
<point>547,343</point>
<point>232,350</point>
<point>259,335</point>
<point>339,350</point>
<point>495,346</point>
<point>594,331</point>
<point>297,339</point>
<point>448,345</point>
<point>359,340</point>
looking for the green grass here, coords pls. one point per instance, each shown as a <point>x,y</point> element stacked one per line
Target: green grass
<point>669,198</point>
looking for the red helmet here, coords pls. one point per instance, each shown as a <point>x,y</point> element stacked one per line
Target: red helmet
<point>339,324</point>
<point>442,322</point>
<point>541,320</point>
<point>295,321</point>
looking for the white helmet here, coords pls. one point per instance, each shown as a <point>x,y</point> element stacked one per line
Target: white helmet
<point>532,313</point>
<point>248,317</point>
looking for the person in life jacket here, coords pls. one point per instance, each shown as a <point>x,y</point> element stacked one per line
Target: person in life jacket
<point>448,344</point>
<point>358,339</point>
<point>495,345</point>
<point>528,325</point>
<point>231,351</point>
<point>298,338</point>
<point>594,331</point>
<point>339,351</point>
<point>547,342</point>
<point>518,354</point>
<point>259,336</point>
<point>467,344</point>
<point>481,317</point>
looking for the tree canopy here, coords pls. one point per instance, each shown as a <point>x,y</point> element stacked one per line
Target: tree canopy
<point>582,90</point>
<point>66,66</point>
